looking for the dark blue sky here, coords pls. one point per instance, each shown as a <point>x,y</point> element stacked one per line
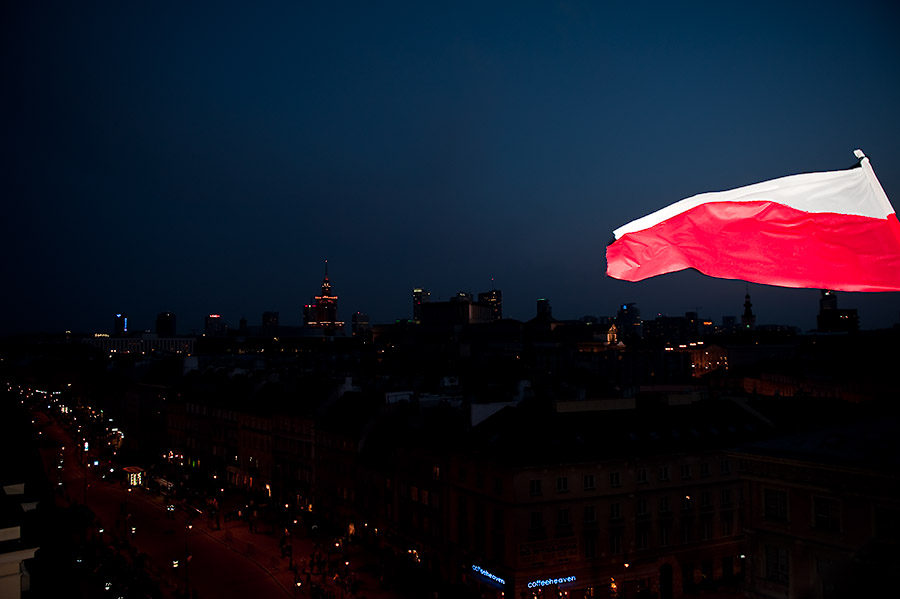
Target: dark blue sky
<point>209,157</point>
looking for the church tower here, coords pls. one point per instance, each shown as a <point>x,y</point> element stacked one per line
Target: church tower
<point>748,320</point>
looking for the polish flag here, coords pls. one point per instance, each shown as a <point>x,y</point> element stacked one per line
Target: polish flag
<point>833,230</point>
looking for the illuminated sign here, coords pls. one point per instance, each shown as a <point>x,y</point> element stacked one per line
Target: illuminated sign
<point>548,581</point>
<point>487,574</point>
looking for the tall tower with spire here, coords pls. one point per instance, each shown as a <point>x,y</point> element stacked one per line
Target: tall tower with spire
<point>323,313</point>
<point>748,320</point>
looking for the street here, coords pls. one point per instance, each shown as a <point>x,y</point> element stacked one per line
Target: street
<point>221,564</point>
<point>182,548</point>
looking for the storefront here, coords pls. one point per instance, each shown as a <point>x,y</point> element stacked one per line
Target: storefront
<point>489,584</point>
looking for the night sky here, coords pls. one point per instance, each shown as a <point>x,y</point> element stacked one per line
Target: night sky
<point>208,157</point>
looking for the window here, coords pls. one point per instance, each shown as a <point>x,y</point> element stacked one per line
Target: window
<point>534,487</point>
<point>706,527</point>
<point>776,564</point>
<point>775,505</point>
<point>664,504</point>
<point>642,475</point>
<point>687,503</point>
<point>562,484</point>
<point>479,480</point>
<point>615,511</point>
<point>614,479</point>
<point>498,486</point>
<point>615,542</point>
<point>826,514</point>
<point>640,538</point>
<point>704,469</point>
<point>590,546</point>
<point>663,473</point>
<point>562,518</point>
<point>537,520</point>
<point>727,524</point>
<point>589,514</point>
<point>641,507</point>
<point>665,531</point>
<point>589,482</point>
<point>726,498</point>
<point>686,526</point>
<point>705,499</point>
<point>462,475</point>
<point>685,471</point>
<point>725,467</point>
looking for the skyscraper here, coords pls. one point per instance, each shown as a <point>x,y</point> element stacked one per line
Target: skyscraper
<point>359,323</point>
<point>120,326</point>
<point>543,308</point>
<point>215,326</point>
<point>323,313</point>
<point>494,299</point>
<point>420,296</point>
<point>832,319</point>
<point>628,321</point>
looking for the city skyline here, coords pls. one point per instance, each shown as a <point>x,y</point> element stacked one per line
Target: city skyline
<point>270,320</point>
<point>206,159</point>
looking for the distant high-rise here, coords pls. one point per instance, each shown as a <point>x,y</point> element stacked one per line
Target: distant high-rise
<point>628,321</point>
<point>270,323</point>
<point>420,296</point>
<point>215,326</point>
<point>494,299</point>
<point>748,320</point>
<point>359,323</point>
<point>832,319</point>
<point>462,296</point>
<point>120,326</point>
<point>323,314</point>
<point>543,308</point>
<point>827,300</point>
<point>729,323</point>
<point>165,325</point>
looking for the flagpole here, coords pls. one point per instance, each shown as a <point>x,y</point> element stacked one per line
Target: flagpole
<point>873,181</point>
